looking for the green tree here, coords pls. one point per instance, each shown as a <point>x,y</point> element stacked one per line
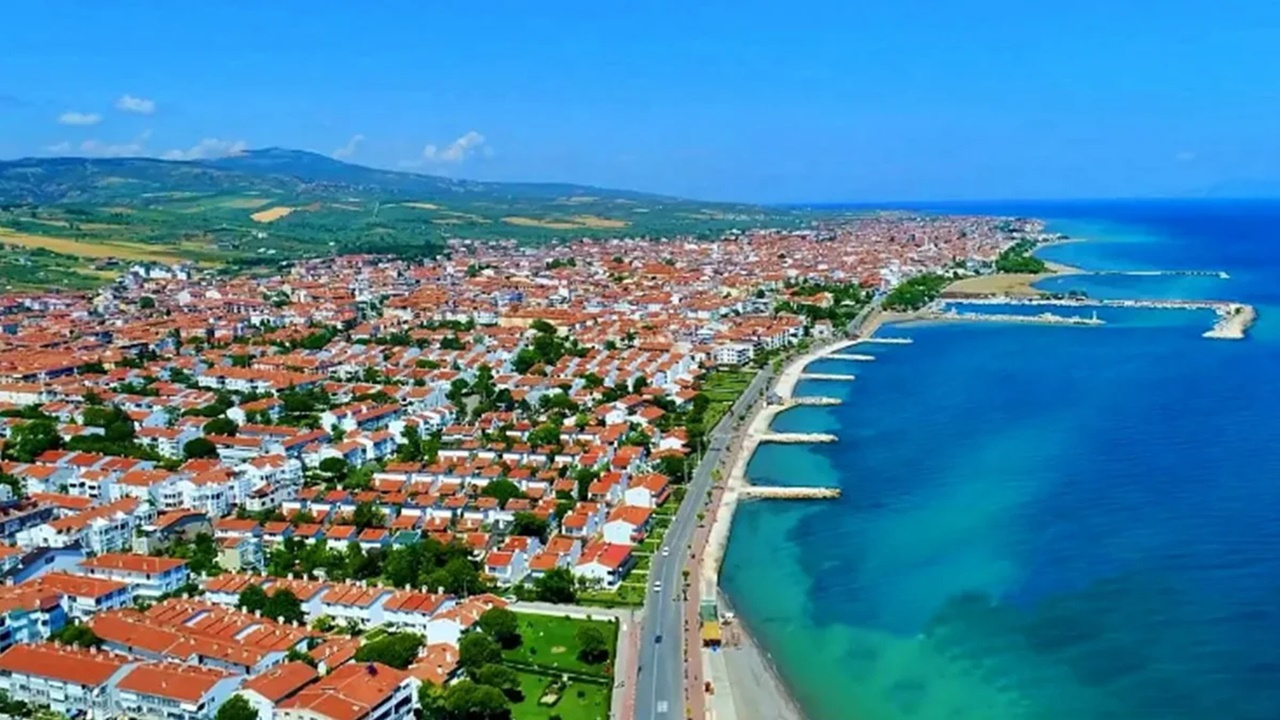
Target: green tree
<point>284,606</point>
<point>146,302</point>
<point>543,435</point>
<point>334,467</point>
<point>502,625</point>
<point>555,586</point>
<point>252,599</point>
<point>503,490</point>
<point>15,485</point>
<point>398,650</point>
<point>467,700</point>
<point>501,677</point>
<point>221,426</point>
<point>236,708</point>
<point>529,525</point>
<point>76,634</point>
<point>477,650</point>
<point>31,439</point>
<point>367,515</point>
<point>199,448</point>
<point>593,648</point>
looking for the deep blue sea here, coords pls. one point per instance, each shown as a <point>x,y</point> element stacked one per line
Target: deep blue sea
<point>1042,521</point>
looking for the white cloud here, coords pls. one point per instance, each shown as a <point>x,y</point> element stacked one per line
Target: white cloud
<point>456,151</point>
<point>1185,156</point>
<point>208,148</point>
<point>349,150</point>
<point>134,148</point>
<point>79,118</point>
<point>132,104</point>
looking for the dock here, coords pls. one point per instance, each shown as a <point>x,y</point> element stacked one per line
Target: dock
<point>796,438</point>
<point>826,376</point>
<point>813,400</point>
<point>1045,318</point>
<point>1220,274</point>
<point>888,340</point>
<point>852,356</point>
<point>1233,322</point>
<point>775,492</point>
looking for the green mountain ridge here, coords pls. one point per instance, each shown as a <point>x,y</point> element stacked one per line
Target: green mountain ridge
<point>69,216</point>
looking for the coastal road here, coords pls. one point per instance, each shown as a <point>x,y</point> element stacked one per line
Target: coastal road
<point>661,679</point>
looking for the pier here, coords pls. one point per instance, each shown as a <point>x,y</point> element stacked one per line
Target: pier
<point>774,492</point>
<point>1045,318</point>
<point>812,400</point>
<point>852,356</point>
<point>826,376</point>
<point>1221,274</point>
<point>1234,319</point>
<point>795,438</point>
<point>888,340</point>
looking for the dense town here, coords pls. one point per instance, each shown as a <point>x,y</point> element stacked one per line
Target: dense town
<point>331,492</point>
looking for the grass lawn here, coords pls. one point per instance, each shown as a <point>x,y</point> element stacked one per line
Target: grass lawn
<point>551,641</point>
<point>594,705</point>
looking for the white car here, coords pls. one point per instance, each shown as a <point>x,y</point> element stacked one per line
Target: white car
<point>666,551</point>
<point>657,587</point>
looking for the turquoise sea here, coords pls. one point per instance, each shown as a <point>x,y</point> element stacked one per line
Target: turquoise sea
<point>1042,522</point>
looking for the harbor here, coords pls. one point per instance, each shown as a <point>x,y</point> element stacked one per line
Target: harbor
<point>1233,318</point>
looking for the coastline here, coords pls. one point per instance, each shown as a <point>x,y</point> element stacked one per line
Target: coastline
<point>754,680</point>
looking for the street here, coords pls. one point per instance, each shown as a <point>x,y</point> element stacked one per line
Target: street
<point>660,688</point>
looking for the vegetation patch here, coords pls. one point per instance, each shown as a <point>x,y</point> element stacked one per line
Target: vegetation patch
<point>421,205</point>
<point>88,249</point>
<point>575,222</point>
<point>564,643</point>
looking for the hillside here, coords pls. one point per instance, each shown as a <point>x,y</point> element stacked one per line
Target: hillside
<point>74,221</point>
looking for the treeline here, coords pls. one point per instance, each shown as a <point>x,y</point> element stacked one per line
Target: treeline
<point>916,292</point>
<point>1017,258</point>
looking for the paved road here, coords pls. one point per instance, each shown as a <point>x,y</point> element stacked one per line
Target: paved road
<point>660,687</point>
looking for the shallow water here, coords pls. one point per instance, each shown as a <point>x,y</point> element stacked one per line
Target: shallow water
<point>1041,521</point>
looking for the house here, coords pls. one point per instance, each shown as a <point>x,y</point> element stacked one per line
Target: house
<point>69,679</point>
<point>86,596</point>
<point>627,525</point>
<point>648,491</point>
<point>604,563</point>
<point>267,690</point>
<point>150,577</point>
<point>414,609</point>
<point>29,614</point>
<point>173,691</point>
<point>356,691</point>
<point>356,602</point>
<point>240,553</point>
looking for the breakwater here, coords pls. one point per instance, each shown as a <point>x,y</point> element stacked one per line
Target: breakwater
<point>812,400</point>
<point>1222,274</point>
<point>1045,318</point>
<point>1234,318</point>
<point>826,376</point>
<point>887,340</point>
<point>851,356</point>
<point>791,438</point>
<point>1233,322</point>
<point>775,492</point>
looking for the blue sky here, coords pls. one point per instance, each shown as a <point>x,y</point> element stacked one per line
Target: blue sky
<point>762,101</point>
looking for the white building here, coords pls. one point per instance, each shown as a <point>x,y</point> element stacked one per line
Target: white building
<point>68,679</point>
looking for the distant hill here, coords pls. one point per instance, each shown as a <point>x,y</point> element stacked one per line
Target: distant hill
<point>261,206</point>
